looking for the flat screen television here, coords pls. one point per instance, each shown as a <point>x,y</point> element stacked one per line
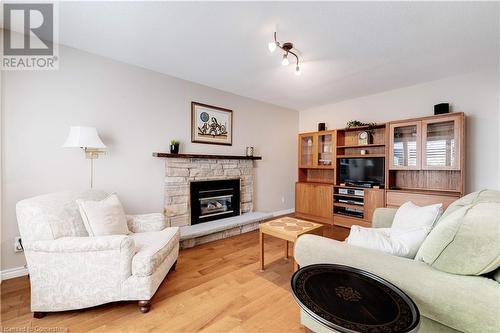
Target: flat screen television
<point>362,171</point>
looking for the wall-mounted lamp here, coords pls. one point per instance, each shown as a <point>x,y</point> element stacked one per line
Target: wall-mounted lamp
<point>287,48</point>
<point>87,139</point>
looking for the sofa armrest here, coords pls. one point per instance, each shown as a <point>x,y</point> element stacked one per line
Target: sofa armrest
<point>383,217</point>
<point>146,222</point>
<point>465,303</point>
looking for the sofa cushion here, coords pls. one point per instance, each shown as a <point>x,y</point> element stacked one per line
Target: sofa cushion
<point>104,217</point>
<point>152,248</point>
<point>472,198</point>
<point>465,241</point>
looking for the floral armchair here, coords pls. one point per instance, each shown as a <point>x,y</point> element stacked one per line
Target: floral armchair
<point>70,270</point>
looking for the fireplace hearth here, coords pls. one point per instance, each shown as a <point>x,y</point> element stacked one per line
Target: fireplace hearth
<point>214,199</point>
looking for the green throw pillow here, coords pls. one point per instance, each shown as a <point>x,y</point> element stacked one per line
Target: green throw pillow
<point>465,241</point>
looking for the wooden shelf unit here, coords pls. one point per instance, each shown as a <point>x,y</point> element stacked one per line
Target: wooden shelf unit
<point>432,147</point>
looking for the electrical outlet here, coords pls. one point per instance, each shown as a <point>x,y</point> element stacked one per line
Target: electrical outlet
<point>18,245</point>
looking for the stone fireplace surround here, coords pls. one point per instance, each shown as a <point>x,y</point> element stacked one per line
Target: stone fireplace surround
<point>180,172</point>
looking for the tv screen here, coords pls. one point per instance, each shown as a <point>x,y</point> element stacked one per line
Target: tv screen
<point>362,170</point>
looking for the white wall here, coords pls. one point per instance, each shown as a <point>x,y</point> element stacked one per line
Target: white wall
<point>477,94</point>
<point>136,112</point>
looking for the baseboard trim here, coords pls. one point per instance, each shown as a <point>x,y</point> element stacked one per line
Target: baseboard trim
<point>283,212</point>
<point>14,272</point>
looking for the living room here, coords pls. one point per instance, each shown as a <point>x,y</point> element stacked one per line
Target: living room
<point>158,176</point>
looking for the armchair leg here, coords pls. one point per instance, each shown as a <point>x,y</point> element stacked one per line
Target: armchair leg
<point>39,315</point>
<point>144,306</point>
<point>173,266</point>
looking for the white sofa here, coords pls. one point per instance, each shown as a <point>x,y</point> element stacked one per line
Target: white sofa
<point>70,270</point>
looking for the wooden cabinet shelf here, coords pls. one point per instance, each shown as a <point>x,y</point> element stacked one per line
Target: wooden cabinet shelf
<point>361,128</point>
<point>363,146</point>
<point>425,191</point>
<point>361,156</point>
<point>346,205</point>
<point>347,195</point>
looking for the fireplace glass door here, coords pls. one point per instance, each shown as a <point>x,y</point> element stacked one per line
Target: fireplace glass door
<point>217,205</point>
<point>214,199</point>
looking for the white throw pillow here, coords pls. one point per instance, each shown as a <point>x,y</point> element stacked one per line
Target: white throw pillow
<point>409,229</point>
<point>411,216</point>
<point>376,239</point>
<point>105,217</point>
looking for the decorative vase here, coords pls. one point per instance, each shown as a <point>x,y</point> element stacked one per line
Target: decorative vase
<point>174,149</point>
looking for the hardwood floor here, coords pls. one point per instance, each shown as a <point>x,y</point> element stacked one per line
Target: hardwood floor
<point>217,287</point>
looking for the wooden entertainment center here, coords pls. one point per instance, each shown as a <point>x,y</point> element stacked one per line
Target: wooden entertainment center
<point>423,162</point>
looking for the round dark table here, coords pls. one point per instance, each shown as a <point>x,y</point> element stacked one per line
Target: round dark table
<point>348,299</point>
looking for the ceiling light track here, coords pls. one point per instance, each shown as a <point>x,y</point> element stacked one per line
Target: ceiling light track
<point>287,48</point>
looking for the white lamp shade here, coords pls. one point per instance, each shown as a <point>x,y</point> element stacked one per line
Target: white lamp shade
<point>83,137</point>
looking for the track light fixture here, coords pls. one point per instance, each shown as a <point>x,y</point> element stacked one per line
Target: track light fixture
<point>287,48</point>
<point>285,61</point>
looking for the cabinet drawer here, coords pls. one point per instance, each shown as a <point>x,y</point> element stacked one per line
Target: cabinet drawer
<point>397,198</point>
<point>347,222</point>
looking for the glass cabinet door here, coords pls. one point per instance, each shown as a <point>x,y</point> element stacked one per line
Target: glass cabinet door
<point>405,145</point>
<point>325,150</point>
<point>440,144</point>
<point>306,154</point>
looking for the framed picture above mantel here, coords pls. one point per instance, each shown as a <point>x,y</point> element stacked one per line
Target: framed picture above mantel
<point>211,124</point>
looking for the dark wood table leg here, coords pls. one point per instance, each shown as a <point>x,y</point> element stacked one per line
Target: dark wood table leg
<point>39,315</point>
<point>144,306</point>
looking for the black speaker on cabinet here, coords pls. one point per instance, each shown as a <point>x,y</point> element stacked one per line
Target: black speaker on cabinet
<point>321,127</point>
<point>441,108</point>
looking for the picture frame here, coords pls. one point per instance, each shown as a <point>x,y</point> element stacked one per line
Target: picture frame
<point>211,124</point>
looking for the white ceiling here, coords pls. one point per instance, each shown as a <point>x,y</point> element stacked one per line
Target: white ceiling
<point>348,49</point>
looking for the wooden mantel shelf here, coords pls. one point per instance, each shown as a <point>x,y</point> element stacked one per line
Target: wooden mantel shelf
<point>218,157</point>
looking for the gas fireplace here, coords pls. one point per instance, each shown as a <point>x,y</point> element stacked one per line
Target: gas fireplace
<point>214,199</point>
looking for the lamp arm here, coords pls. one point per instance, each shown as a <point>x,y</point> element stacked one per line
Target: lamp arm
<point>296,57</point>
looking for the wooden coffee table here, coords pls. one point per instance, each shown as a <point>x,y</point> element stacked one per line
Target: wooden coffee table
<point>289,229</point>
